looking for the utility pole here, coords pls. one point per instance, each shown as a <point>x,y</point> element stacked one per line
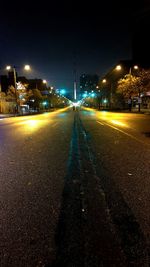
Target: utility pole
<point>75,89</point>
<point>15,84</point>
<point>75,79</point>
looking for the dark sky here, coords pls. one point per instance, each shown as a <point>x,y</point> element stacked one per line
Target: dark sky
<point>47,35</point>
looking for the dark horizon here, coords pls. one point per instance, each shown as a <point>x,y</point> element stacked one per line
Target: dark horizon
<point>47,38</point>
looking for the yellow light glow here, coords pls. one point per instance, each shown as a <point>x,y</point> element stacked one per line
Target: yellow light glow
<point>136,67</point>
<point>119,123</point>
<point>118,67</point>
<point>8,67</point>
<point>44,81</point>
<point>104,81</point>
<point>27,67</point>
<point>31,125</point>
<point>111,118</point>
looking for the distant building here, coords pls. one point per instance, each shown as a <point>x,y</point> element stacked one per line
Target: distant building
<point>88,83</point>
<point>23,80</point>
<point>4,83</point>
<point>7,80</point>
<point>11,78</point>
<point>37,84</point>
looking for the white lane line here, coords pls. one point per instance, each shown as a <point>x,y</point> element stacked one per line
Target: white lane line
<point>130,135</point>
<point>54,124</point>
<point>100,123</point>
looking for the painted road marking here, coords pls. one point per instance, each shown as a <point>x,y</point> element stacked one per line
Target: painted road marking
<point>54,124</point>
<point>130,135</point>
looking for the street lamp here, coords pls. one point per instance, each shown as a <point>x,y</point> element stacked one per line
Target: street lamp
<point>118,67</point>
<point>27,67</point>
<point>62,91</point>
<point>44,84</point>
<point>104,81</point>
<point>135,67</point>
<point>8,68</point>
<point>111,81</point>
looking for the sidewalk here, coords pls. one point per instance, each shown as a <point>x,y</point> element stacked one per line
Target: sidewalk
<point>8,115</point>
<point>135,110</point>
<point>2,116</point>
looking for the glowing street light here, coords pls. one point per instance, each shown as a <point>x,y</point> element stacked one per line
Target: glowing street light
<point>62,91</point>
<point>135,67</point>
<point>118,67</point>
<point>92,94</point>
<point>8,67</point>
<point>27,67</point>
<point>110,81</point>
<point>84,95</point>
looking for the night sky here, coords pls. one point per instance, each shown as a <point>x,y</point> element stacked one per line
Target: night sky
<point>51,37</point>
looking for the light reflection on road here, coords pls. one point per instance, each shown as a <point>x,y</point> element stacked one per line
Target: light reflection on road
<point>117,119</point>
<point>30,124</point>
<point>119,123</point>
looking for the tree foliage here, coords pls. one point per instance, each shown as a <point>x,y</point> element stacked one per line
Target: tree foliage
<point>144,80</point>
<point>11,91</point>
<point>128,86</point>
<point>131,86</point>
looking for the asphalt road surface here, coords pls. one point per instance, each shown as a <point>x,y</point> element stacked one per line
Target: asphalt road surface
<point>75,189</point>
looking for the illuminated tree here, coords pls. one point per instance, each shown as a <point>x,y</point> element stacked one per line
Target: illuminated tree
<point>132,86</point>
<point>144,81</point>
<point>128,86</point>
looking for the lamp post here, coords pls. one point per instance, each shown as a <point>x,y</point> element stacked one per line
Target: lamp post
<point>15,82</point>
<point>135,67</point>
<point>9,68</point>
<point>118,67</point>
<point>104,81</point>
<point>44,84</point>
<point>114,80</point>
<point>44,81</point>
